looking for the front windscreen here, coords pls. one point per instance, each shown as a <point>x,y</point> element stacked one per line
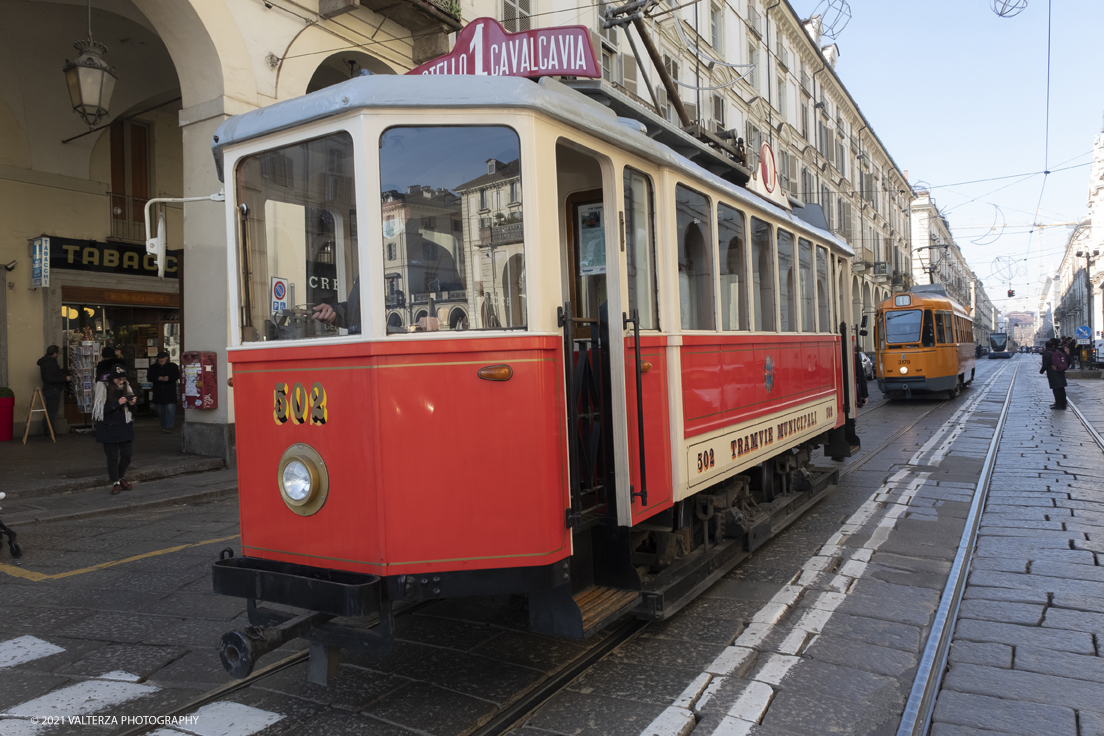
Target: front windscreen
<point>903,326</point>
<point>998,342</point>
<point>453,226</point>
<point>297,241</point>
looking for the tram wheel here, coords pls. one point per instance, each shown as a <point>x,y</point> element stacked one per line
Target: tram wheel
<point>16,550</point>
<point>954,392</point>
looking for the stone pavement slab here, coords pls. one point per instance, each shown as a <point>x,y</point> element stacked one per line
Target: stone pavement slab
<point>1025,654</point>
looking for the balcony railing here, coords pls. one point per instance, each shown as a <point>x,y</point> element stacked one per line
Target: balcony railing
<point>127,216</point>
<point>439,296</point>
<point>502,234</point>
<point>755,21</point>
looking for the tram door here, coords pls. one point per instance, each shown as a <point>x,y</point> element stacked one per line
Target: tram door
<point>609,298</point>
<point>584,318</point>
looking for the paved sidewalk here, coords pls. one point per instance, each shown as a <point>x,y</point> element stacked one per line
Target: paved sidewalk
<point>76,462</point>
<point>1025,657</point>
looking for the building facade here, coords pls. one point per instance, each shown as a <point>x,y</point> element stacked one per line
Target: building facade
<point>1078,296</point>
<point>937,259</point>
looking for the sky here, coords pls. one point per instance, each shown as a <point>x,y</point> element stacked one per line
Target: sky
<point>958,94</point>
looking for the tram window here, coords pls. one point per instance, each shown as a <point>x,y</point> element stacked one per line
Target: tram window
<point>297,241</point>
<point>456,196</point>
<point>927,338</point>
<point>762,275</point>
<point>640,247</point>
<point>787,288</point>
<point>808,300</point>
<point>695,260</point>
<point>940,333</point>
<point>733,267</point>
<point>822,289</point>
<point>902,326</point>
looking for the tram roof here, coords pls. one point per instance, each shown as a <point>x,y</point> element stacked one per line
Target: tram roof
<point>548,96</point>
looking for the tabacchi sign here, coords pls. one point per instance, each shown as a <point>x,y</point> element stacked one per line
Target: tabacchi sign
<point>485,48</point>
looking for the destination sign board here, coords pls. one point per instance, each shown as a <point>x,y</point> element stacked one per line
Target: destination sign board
<point>485,48</point>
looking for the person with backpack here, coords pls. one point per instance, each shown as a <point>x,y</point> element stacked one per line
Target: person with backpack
<point>1055,363</point>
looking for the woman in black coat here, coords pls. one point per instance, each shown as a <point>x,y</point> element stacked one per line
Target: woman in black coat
<point>1056,379</point>
<point>115,425</point>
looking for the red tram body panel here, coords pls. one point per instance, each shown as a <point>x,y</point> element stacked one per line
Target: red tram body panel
<point>405,501</point>
<point>730,380</point>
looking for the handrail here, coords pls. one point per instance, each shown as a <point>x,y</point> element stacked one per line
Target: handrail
<point>635,319</point>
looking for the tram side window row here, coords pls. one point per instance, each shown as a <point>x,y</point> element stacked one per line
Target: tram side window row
<point>747,281</point>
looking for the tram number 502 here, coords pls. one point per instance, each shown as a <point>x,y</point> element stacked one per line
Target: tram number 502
<point>299,405</point>
<point>705,461</point>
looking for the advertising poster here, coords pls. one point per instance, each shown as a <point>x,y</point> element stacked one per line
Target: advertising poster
<point>592,239</point>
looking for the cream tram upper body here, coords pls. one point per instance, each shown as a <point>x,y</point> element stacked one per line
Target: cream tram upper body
<point>781,317</point>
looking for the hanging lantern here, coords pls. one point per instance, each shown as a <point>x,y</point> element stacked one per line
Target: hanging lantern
<point>91,81</point>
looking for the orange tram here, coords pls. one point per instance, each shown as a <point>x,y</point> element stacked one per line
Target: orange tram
<point>925,344</point>
<point>495,335</point>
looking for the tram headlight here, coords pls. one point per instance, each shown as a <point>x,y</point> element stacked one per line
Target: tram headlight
<point>303,479</point>
<point>297,481</point>
<point>904,370</point>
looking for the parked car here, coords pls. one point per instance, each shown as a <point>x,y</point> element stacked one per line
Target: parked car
<point>868,366</point>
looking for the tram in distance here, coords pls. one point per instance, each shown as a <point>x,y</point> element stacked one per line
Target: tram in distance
<point>924,344</point>
<point>1001,345</point>
<point>529,349</point>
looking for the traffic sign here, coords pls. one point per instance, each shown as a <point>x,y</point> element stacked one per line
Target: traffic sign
<point>1083,333</point>
<point>279,294</point>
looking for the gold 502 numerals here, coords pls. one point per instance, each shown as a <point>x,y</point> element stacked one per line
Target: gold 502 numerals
<point>299,405</point>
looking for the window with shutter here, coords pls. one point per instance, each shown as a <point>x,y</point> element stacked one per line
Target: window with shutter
<point>719,113</point>
<point>516,15</point>
<point>628,72</point>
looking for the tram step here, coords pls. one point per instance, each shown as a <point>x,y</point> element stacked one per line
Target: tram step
<point>558,612</point>
<point>599,604</point>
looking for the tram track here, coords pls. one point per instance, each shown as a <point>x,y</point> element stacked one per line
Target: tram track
<point>933,662</point>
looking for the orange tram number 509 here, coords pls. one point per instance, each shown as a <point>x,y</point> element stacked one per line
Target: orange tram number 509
<point>705,461</point>
<point>299,405</point>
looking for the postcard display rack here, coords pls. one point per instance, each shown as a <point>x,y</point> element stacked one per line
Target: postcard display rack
<point>83,356</point>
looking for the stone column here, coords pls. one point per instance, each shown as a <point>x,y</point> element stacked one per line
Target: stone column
<point>205,292</point>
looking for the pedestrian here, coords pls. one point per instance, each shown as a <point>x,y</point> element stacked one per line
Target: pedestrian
<point>54,381</point>
<point>111,356</point>
<point>1055,362</point>
<point>862,393</point>
<point>115,425</point>
<point>164,374</point>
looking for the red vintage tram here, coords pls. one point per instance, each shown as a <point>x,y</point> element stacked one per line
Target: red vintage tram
<point>527,345</point>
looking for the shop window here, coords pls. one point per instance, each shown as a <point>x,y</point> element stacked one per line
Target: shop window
<point>481,266</point>
<point>297,244</point>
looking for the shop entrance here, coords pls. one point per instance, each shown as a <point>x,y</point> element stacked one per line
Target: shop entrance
<point>140,332</point>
